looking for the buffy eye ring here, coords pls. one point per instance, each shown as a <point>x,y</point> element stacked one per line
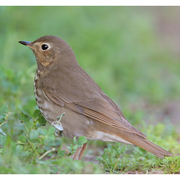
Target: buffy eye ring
<point>44,47</point>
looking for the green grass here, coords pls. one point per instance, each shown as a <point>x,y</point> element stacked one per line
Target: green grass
<point>125,158</point>
<point>120,50</point>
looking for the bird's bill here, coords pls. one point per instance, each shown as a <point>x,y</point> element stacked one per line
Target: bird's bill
<point>26,43</point>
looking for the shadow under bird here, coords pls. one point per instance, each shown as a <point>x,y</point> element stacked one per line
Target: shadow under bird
<point>62,86</point>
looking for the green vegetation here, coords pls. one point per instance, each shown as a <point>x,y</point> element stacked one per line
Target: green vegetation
<point>124,158</point>
<point>36,149</point>
<point>120,50</point>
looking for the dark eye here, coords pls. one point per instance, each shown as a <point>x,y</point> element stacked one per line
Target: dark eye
<point>44,47</point>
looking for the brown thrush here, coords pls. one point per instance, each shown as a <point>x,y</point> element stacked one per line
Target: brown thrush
<point>61,85</point>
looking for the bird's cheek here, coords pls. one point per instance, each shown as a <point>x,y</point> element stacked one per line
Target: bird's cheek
<point>45,60</point>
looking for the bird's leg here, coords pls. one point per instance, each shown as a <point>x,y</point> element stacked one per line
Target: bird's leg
<point>82,150</point>
<point>77,152</point>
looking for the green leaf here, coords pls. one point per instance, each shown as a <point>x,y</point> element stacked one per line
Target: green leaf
<point>3,112</point>
<point>54,169</point>
<point>29,124</point>
<point>38,118</point>
<point>26,111</point>
<point>81,140</point>
<point>2,133</point>
<point>33,134</point>
<point>51,130</point>
<point>2,140</point>
<point>74,140</point>
<point>22,138</point>
<point>61,153</point>
<point>3,109</point>
<point>23,117</point>
<point>36,113</point>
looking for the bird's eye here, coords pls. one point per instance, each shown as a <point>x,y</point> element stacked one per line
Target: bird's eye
<point>44,47</point>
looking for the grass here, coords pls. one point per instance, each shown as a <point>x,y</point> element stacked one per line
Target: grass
<point>116,157</point>
<point>120,50</point>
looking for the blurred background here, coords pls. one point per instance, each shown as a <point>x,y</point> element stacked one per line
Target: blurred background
<point>131,52</point>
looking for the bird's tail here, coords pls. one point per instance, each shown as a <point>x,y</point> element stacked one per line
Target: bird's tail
<point>146,144</point>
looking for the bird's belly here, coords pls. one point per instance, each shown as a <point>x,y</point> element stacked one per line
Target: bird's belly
<point>73,124</point>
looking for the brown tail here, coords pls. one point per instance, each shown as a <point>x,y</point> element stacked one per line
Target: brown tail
<point>146,144</point>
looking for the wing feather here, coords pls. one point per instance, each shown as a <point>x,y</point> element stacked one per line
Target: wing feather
<point>99,109</point>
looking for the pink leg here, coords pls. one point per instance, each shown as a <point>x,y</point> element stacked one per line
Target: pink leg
<point>77,152</point>
<point>82,150</point>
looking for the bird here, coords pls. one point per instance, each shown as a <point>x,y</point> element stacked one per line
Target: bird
<point>61,86</point>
